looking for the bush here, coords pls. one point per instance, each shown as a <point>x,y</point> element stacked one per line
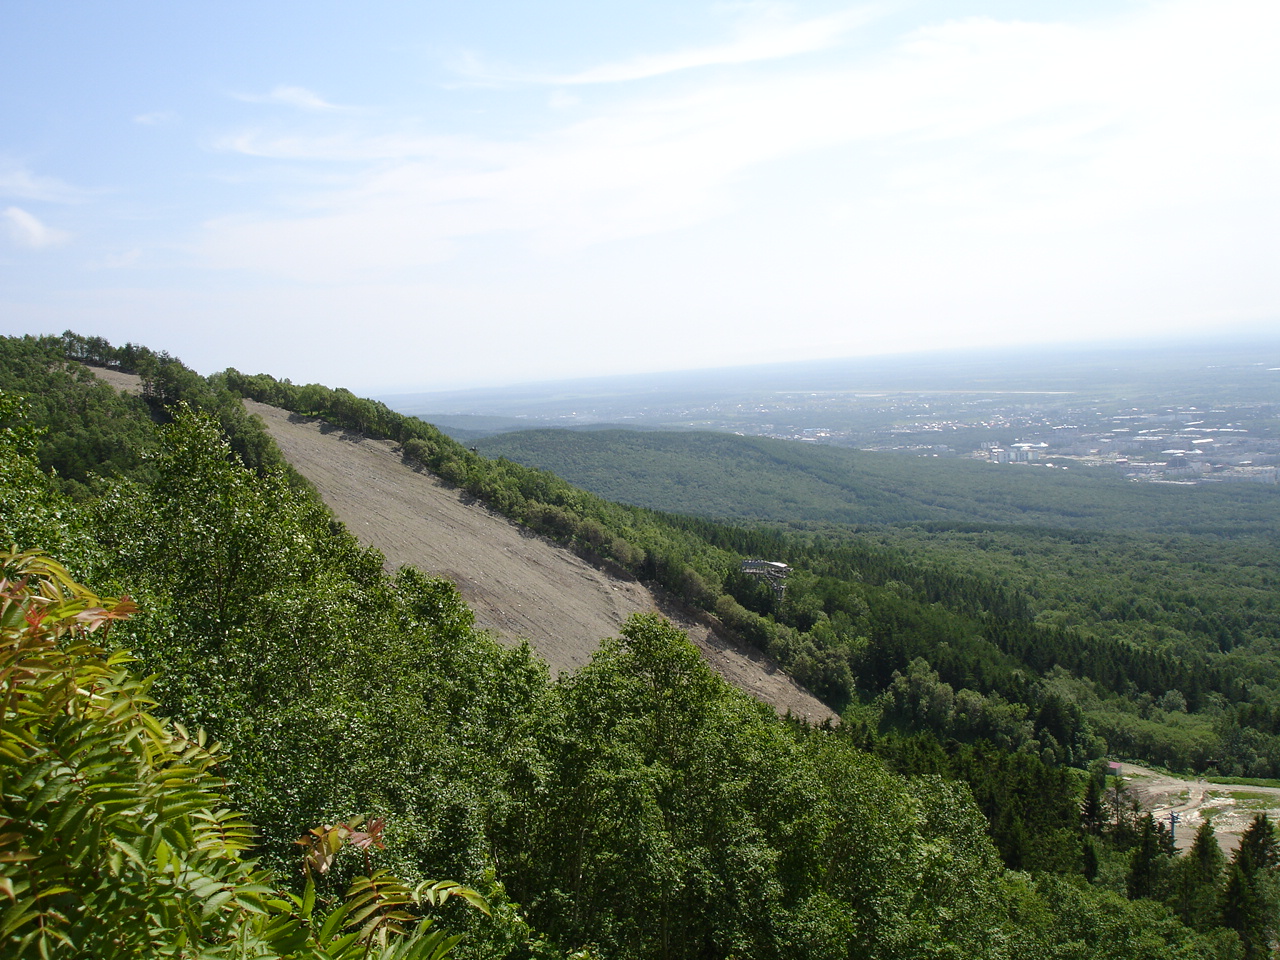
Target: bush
<point>114,839</point>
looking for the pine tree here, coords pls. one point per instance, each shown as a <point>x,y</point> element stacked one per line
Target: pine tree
<point>1093,808</point>
<point>1198,876</point>
<point>1258,851</point>
<point>1090,863</point>
<point>1150,858</point>
<point>1249,901</point>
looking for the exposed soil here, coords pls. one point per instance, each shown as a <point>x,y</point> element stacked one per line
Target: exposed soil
<point>521,586</point>
<point>124,382</point>
<point>1231,807</point>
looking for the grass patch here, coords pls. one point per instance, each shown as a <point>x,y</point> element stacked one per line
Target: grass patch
<point>1247,781</point>
<point>1256,801</point>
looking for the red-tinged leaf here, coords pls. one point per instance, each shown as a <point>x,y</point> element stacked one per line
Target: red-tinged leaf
<point>372,837</point>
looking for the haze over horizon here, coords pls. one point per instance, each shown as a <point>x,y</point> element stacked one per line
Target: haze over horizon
<point>442,196</point>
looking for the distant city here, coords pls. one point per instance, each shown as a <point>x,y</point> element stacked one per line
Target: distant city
<point>1188,414</point>
<point>1167,445</point>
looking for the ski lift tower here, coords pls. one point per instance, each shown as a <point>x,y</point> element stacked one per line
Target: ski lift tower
<point>771,571</point>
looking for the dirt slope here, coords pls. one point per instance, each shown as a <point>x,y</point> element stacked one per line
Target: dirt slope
<point>520,585</point>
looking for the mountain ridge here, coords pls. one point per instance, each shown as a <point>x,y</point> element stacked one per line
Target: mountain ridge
<point>519,585</point>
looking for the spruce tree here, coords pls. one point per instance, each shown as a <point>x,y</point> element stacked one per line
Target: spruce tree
<point>1093,811</point>
<point>1249,901</point>
<point>1150,857</point>
<point>1198,876</point>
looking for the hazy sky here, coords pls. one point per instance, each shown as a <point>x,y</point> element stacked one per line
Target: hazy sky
<point>421,195</point>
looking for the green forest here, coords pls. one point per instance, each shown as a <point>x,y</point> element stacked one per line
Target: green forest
<point>229,733</point>
<point>730,477</point>
<point>1151,610</point>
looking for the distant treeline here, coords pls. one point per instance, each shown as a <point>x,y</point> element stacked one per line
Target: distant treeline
<point>725,476</point>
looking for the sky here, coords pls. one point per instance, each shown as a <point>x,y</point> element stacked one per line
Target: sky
<point>413,196</point>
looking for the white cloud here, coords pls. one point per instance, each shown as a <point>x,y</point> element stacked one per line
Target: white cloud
<point>299,97</point>
<point>155,118</point>
<point>563,100</point>
<point>990,134</point>
<point>762,38</point>
<point>118,261</point>
<point>762,32</point>
<point>19,182</point>
<point>27,231</point>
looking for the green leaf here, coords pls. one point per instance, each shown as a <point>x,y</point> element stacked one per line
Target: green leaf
<point>308,898</point>
<point>333,923</point>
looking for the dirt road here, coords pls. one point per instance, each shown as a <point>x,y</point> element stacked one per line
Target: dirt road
<point>1230,807</point>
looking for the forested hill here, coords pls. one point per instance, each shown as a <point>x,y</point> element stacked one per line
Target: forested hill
<point>1114,574</point>
<point>731,477</point>
<point>1156,646</point>
<point>638,808</point>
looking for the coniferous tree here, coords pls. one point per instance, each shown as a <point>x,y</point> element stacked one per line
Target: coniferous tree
<point>1093,811</point>
<point>1249,901</point>
<point>1149,865</point>
<point>1090,865</point>
<point>1197,877</point>
<point>1259,851</point>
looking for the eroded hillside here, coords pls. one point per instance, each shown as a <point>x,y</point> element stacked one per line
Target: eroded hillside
<point>520,585</point>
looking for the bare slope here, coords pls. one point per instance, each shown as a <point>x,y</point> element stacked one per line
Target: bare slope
<point>520,585</point>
